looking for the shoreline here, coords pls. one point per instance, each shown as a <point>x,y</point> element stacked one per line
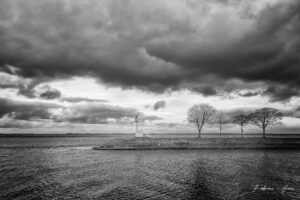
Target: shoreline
<point>199,144</point>
<point>151,135</point>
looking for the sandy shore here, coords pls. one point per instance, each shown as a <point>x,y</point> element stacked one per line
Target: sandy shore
<point>202,143</point>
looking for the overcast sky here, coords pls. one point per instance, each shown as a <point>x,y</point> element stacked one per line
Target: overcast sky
<point>89,66</point>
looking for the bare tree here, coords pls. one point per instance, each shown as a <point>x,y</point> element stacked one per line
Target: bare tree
<point>265,117</point>
<point>242,120</point>
<point>201,114</point>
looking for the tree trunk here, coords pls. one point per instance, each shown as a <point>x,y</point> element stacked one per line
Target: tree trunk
<point>264,132</point>
<point>199,131</point>
<point>242,131</point>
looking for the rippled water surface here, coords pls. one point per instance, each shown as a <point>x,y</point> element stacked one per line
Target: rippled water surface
<point>67,168</point>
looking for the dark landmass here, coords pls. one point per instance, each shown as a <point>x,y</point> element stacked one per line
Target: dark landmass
<point>14,135</point>
<point>203,143</point>
<point>151,135</point>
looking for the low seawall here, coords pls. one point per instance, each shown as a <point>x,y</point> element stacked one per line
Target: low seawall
<point>201,143</point>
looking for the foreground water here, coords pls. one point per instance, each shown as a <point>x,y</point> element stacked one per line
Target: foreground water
<point>67,168</point>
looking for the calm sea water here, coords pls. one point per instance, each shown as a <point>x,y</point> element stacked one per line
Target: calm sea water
<point>67,168</point>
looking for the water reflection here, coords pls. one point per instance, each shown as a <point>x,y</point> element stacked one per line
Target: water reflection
<point>200,186</point>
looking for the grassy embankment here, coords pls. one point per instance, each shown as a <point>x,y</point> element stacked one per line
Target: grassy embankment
<point>202,143</point>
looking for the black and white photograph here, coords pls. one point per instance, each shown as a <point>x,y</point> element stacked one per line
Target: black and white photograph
<point>150,99</point>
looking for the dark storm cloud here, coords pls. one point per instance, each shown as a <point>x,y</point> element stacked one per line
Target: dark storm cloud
<point>153,45</point>
<point>85,113</point>
<point>159,105</point>
<point>60,40</point>
<point>249,94</point>
<point>281,93</point>
<point>51,94</point>
<point>206,90</point>
<point>26,91</point>
<point>24,86</point>
<point>29,88</point>
<point>24,110</point>
<point>10,80</point>
<point>269,52</point>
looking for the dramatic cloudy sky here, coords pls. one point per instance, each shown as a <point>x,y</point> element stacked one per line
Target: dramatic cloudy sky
<point>91,65</point>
